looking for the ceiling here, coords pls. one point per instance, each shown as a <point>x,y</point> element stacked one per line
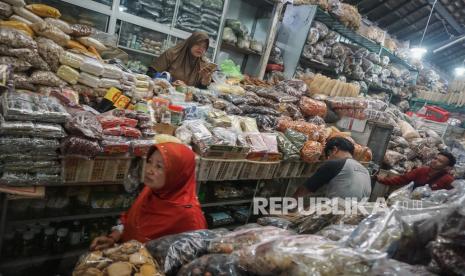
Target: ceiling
<point>406,20</point>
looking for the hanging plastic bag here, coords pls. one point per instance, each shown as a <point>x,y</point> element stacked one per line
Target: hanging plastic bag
<point>232,70</point>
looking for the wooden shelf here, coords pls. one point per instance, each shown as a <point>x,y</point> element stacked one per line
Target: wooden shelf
<point>234,48</point>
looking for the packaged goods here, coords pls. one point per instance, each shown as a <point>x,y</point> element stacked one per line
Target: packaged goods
<point>50,52</point>
<point>141,147</point>
<point>243,238</point>
<point>112,72</point>
<point>18,18</point>
<point>60,24</point>
<point>17,64</point>
<point>29,16</point>
<point>289,150</point>
<point>31,56</point>
<point>85,124</point>
<point>276,96</point>
<point>68,74</point>
<point>74,145</point>
<point>52,32</point>
<point>107,83</point>
<point>276,222</point>
<point>5,10</point>
<point>255,142</point>
<point>46,78</point>
<point>72,44</point>
<point>312,107</point>
<point>229,36</point>
<point>92,66</point>
<point>21,81</point>
<point>17,25</point>
<point>256,46</point>
<point>249,124</point>
<point>89,80</point>
<point>311,151</point>
<point>79,30</point>
<point>298,139</point>
<point>213,264</point>
<point>130,258</point>
<point>16,39</point>
<point>337,232</point>
<point>123,131</point>
<point>219,219</point>
<point>89,41</point>
<point>44,10</point>
<point>114,145</point>
<point>71,59</point>
<point>173,251</point>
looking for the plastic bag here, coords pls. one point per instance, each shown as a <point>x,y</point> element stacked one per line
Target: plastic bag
<point>16,39</point>
<point>52,32</point>
<point>289,150</point>
<point>243,43</point>
<point>74,145</point>
<point>71,59</point>
<point>60,24</point>
<point>230,69</point>
<point>91,42</point>
<point>108,83</point>
<point>114,145</point>
<point>311,151</point>
<point>265,122</point>
<point>312,108</point>
<point>256,46</point>
<point>46,78</point>
<point>298,139</point>
<point>89,80</point>
<point>271,142</point>
<point>123,131</point>
<point>243,238</point>
<point>18,18</point>
<point>79,30</point>
<point>173,251</point>
<point>225,136</point>
<point>296,88</point>
<point>249,124</point>
<point>29,16</point>
<point>50,52</point>
<point>44,10</point>
<point>313,36</point>
<point>84,123</point>
<point>276,222</point>
<point>14,144</point>
<point>5,10</point>
<point>17,64</point>
<point>68,74</point>
<point>125,259</point>
<point>313,132</point>
<point>92,66</point>
<point>112,72</point>
<point>229,36</point>
<point>276,96</point>
<point>32,57</point>
<point>21,81</point>
<point>213,264</point>
<point>17,25</point>
<point>256,142</point>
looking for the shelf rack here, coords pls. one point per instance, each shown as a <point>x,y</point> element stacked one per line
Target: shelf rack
<point>29,261</point>
<point>67,217</point>
<point>137,51</point>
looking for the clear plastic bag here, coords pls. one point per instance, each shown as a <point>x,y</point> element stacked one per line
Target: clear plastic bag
<point>265,122</point>
<point>92,66</point>
<point>337,232</point>
<point>60,24</point>
<point>312,107</point>
<point>46,78</point>
<point>13,144</point>
<point>173,251</point>
<point>18,65</point>
<point>298,139</point>
<point>16,39</point>
<point>73,145</point>
<point>31,129</point>
<point>141,148</point>
<point>5,10</point>
<point>125,259</point>
<point>68,74</point>
<point>255,142</point>
<point>112,72</point>
<point>21,81</point>
<point>52,32</point>
<point>296,88</point>
<point>313,132</point>
<point>89,80</point>
<point>123,131</point>
<point>114,145</point>
<point>50,52</point>
<point>271,142</point>
<point>240,239</point>
<point>224,136</point>
<point>311,151</point>
<point>85,124</point>
<point>313,36</point>
<point>92,42</point>
<point>256,46</point>
<point>249,124</point>
<point>276,96</point>
<point>108,83</point>
<point>289,150</point>
<point>276,222</point>
<point>213,264</point>
<point>29,16</point>
<point>71,59</point>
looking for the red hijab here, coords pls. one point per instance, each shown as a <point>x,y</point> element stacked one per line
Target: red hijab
<point>172,209</point>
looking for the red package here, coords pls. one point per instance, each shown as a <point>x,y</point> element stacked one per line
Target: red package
<point>115,146</point>
<point>141,148</point>
<point>123,131</point>
<point>113,121</point>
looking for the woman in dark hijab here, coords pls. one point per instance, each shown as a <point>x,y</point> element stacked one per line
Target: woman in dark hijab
<point>187,62</point>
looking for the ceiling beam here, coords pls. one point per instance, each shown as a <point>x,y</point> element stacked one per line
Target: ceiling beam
<point>372,9</point>
<point>444,13</point>
<point>456,58</point>
<point>408,26</point>
<point>432,28</point>
<point>447,56</point>
<point>393,11</point>
<point>405,17</point>
<point>439,34</point>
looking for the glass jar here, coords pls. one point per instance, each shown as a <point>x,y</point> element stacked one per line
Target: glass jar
<point>59,245</point>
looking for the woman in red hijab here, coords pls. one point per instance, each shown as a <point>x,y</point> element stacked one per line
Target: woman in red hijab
<point>168,203</point>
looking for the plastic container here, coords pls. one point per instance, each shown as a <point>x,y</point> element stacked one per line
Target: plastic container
<point>48,240</point>
<point>60,244</point>
<point>176,114</point>
<point>28,244</point>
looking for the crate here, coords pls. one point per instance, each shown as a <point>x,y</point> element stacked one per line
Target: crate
<point>258,170</point>
<point>309,169</point>
<point>218,169</point>
<point>223,152</point>
<point>100,169</point>
<point>289,170</point>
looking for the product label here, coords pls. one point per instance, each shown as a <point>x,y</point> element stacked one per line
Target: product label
<point>122,102</point>
<point>113,94</point>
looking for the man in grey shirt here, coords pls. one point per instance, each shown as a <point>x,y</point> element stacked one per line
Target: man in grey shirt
<point>339,176</point>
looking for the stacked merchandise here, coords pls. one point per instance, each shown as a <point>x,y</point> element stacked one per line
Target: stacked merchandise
<point>203,15</point>
<point>357,64</point>
<point>31,131</point>
<point>161,11</point>
<point>236,33</point>
<point>390,238</point>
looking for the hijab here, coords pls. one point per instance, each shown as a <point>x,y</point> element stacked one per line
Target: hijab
<point>172,209</point>
<point>179,61</point>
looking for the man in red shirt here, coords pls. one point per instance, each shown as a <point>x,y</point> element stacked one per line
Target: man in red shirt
<point>437,174</point>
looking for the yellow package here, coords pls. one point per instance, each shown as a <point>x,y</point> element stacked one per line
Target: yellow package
<point>73,44</point>
<point>44,10</point>
<point>17,25</point>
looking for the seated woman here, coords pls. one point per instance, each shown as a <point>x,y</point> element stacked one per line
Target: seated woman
<point>167,205</point>
<point>186,61</point>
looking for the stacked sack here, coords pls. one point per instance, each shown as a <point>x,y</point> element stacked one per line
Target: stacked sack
<point>190,18</point>
<point>31,131</point>
<point>203,15</point>
<point>211,16</point>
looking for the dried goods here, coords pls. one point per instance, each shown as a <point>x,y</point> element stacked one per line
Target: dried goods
<point>51,32</point>
<point>44,10</point>
<point>46,78</point>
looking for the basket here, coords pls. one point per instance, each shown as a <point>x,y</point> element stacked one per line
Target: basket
<point>100,169</point>
<point>258,170</point>
<point>218,169</point>
<point>289,170</point>
<point>309,169</point>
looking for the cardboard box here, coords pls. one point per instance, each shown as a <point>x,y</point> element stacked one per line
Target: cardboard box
<point>164,129</point>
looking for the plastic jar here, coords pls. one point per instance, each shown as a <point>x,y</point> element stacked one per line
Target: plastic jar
<point>28,245</point>
<point>176,114</point>
<point>59,245</point>
<point>48,240</point>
